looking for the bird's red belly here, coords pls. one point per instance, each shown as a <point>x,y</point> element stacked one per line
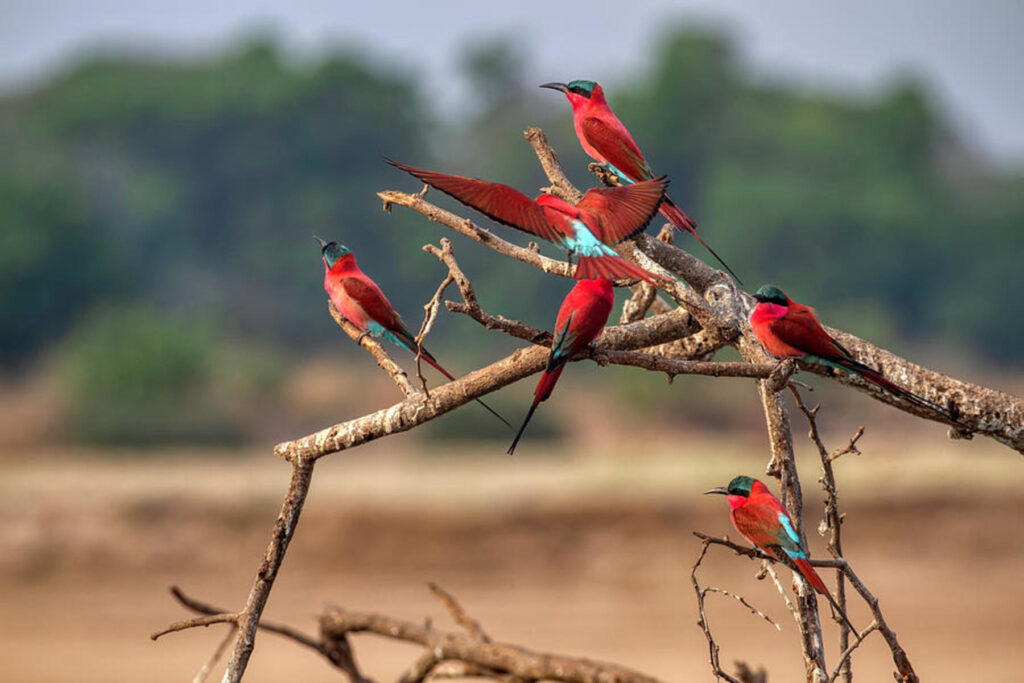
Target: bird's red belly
<point>352,311</point>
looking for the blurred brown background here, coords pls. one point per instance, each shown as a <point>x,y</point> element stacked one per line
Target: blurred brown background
<point>164,325</point>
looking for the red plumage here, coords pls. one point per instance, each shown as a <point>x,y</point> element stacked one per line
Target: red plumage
<point>605,139</point>
<point>788,329</point>
<point>360,301</point>
<point>761,519</point>
<point>610,214</point>
<point>581,318</point>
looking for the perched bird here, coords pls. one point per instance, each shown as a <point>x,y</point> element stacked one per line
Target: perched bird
<point>787,329</point>
<point>581,317</point>
<point>605,139</point>
<point>604,217</point>
<point>761,519</point>
<point>360,301</point>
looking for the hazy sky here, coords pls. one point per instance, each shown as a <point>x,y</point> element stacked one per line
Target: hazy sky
<point>971,51</point>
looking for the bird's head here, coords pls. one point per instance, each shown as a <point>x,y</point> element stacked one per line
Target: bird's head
<point>578,92</point>
<point>332,251</point>
<point>770,294</point>
<point>737,491</point>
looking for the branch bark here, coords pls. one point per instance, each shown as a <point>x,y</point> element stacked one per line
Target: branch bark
<point>500,657</point>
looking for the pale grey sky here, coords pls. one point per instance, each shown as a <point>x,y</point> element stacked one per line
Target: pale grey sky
<point>971,52</point>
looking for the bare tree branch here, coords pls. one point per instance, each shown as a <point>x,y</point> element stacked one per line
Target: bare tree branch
<point>702,621</point>
<point>204,673</point>
<point>284,530</point>
<point>458,614</point>
<point>499,657</point>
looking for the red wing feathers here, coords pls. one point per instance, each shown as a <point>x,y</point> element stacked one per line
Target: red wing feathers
<point>499,202</point>
<point>610,268</point>
<point>618,149</point>
<point>374,303</point>
<point>622,212</point>
<point>801,329</point>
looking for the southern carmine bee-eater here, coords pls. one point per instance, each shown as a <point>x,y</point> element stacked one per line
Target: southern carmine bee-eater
<point>362,303</point>
<point>787,329</point>
<point>581,317</point>
<point>761,519</point>
<point>604,217</point>
<point>606,140</point>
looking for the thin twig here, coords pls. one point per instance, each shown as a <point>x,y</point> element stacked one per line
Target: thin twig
<point>471,625</point>
<point>832,523</point>
<point>204,673</point>
<point>227,618</point>
<point>702,620</point>
<point>429,316</point>
<point>843,667</point>
<point>743,601</point>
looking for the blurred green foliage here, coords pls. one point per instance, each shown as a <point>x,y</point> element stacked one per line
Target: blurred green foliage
<point>195,186</point>
<point>136,376</point>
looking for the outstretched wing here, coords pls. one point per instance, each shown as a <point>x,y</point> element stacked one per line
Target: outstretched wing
<point>498,202</point>
<point>616,146</point>
<point>800,329</point>
<point>621,212</point>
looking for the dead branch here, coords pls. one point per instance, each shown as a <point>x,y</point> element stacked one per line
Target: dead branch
<point>499,657</point>
<point>471,625</point>
<point>207,669</point>
<point>833,524</point>
<point>284,530</point>
<point>702,620</point>
<point>339,654</point>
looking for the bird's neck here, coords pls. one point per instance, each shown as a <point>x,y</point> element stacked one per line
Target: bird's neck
<point>344,266</point>
<point>737,501</point>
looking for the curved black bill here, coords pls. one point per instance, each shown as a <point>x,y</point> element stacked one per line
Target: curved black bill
<point>718,489</point>
<point>761,298</point>
<point>561,87</point>
<point>323,244</point>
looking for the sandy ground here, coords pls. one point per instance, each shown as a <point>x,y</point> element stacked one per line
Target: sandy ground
<point>588,557</point>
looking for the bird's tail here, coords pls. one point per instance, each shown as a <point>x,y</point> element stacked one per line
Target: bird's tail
<point>677,217</point>
<point>526,421</point>
<point>612,267</point>
<point>807,571</point>
<point>547,382</point>
<point>544,388</point>
<point>877,378</point>
<point>432,362</point>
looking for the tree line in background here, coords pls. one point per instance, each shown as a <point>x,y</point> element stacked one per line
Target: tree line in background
<point>157,214</point>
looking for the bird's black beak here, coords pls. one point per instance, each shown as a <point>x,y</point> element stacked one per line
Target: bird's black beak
<point>561,87</point>
<point>761,298</point>
<point>323,245</point>
<point>718,489</point>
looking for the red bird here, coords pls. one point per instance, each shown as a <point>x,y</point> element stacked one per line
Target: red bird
<point>581,317</point>
<point>787,329</point>
<point>360,301</point>
<point>605,139</point>
<point>604,217</point>
<point>761,519</point>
